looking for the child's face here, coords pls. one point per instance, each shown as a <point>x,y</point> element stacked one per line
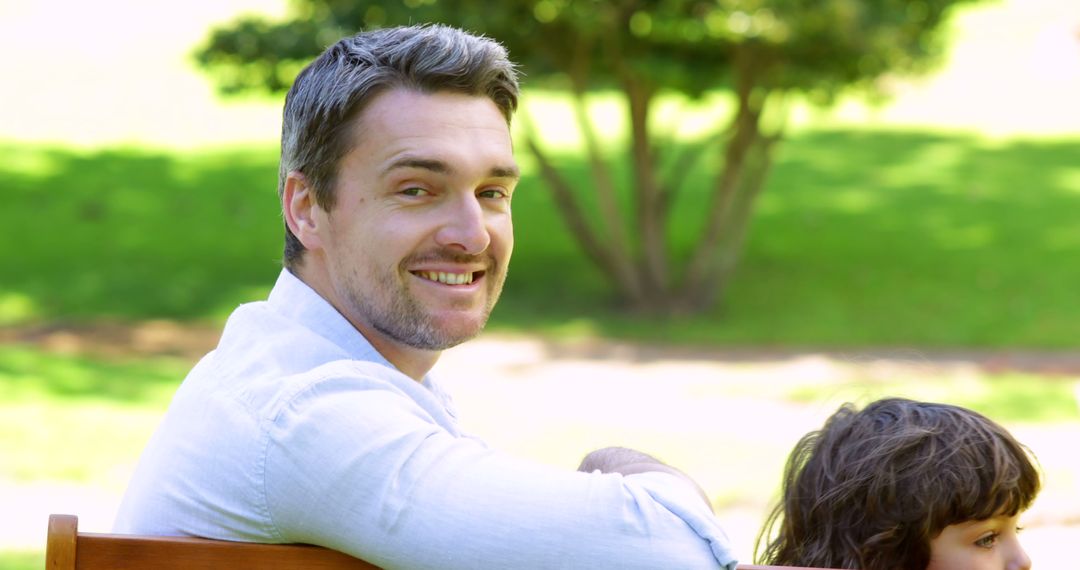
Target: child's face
<point>991,544</point>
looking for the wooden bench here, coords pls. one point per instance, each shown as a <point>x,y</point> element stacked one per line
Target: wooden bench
<point>69,549</point>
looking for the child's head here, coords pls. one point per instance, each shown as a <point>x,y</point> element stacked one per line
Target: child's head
<point>874,488</point>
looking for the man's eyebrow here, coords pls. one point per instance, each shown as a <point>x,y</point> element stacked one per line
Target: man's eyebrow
<point>433,165</point>
<point>511,171</point>
<point>441,167</point>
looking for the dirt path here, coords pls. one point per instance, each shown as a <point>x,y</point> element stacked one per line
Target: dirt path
<point>192,340</point>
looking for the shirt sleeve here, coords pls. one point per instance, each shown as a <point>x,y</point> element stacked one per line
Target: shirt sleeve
<point>357,464</point>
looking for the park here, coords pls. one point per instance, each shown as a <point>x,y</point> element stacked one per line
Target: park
<point>921,246</point>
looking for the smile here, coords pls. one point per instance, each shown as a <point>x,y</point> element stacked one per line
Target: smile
<point>446,278</point>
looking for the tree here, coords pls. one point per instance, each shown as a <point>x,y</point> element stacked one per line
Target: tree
<point>762,51</point>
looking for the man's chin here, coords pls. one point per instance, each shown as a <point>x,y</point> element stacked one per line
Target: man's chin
<point>454,329</point>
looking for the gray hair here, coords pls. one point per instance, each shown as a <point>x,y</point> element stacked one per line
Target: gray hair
<point>336,87</point>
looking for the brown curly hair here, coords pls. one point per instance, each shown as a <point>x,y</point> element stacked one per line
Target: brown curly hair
<point>872,488</point>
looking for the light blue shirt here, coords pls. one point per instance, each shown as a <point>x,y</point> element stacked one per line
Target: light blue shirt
<point>294,429</point>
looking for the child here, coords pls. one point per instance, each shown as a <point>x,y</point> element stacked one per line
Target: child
<point>903,485</point>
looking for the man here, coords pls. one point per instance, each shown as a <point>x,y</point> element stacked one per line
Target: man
<point>315,419</point>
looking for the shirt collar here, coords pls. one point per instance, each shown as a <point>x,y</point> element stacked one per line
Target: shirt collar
<point>298,302</point>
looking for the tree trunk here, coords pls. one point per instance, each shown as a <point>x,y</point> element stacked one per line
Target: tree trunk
<point>571,211</point>
<point>740,179</point>
<point>617,245</point>
<point>736,226</point>
<point>652,231</point>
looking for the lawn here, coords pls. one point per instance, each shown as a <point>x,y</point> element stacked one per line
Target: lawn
<point>78,419</point>
<point>76,422</point>
<point>863,238</point>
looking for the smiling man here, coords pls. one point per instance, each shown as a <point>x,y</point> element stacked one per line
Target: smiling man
<point>415,249</point>
<point>316,419</point>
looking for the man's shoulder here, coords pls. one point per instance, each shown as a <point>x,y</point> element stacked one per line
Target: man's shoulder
<point>333,379</point>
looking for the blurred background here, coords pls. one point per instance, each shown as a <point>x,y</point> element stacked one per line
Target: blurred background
<point>735,215</point>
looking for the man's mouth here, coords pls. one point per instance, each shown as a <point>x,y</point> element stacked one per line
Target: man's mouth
<point>449,278</point>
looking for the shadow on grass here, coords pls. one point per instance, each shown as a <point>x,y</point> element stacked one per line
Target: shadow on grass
<point>862,238</point>
<point>134,234</point>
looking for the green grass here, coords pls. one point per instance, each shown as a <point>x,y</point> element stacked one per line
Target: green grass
<point>863,237</point>
<point>134,234</point>
<point>1023,398</point>
<point>22,559</point>
<point>75,419</point>
<point>78,419</point>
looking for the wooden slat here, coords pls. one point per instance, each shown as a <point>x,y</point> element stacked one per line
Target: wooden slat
<point>68,549</point>
<point>124,552</point>
<point>61,542</point>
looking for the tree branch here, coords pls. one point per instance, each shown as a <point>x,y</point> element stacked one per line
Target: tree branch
<point>618,246</point>
<point>745,135</point>
<point>570,208</point>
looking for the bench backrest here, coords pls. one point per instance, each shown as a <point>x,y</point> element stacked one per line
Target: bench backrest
<point>69,549</point>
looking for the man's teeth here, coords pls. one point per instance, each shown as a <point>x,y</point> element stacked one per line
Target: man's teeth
<point>447,278</point>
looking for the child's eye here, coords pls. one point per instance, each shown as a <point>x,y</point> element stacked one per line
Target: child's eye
<point>987,541</point>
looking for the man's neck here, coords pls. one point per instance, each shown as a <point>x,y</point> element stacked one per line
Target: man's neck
<point>412,362</point>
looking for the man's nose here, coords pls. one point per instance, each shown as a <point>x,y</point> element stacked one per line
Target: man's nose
<point>464,225</point>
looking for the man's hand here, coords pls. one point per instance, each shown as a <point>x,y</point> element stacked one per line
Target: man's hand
<point>627,461</point>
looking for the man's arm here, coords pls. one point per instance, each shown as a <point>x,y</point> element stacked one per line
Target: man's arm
<point>626,461</point>
<point>366,470</point>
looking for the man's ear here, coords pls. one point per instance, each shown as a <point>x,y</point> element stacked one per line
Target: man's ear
<point>300,210</point>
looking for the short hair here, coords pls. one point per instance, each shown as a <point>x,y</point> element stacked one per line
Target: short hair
<point>336,87</point>
<point>872,488</point>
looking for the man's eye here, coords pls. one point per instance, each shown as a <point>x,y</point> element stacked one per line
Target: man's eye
<point>987,541</point>
<point>415,191</point>
<point>493,193</point>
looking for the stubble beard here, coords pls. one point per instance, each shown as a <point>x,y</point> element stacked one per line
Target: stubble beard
<point>393,311</point>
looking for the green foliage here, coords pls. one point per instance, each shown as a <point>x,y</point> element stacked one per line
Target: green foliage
<point>255,52</point>
<point>684,45</point>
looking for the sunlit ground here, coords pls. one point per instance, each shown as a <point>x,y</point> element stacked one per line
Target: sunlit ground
<point>727,418</point>
<point>730,419</point>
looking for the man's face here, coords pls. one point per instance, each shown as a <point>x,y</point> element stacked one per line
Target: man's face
<point>419,238</point>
